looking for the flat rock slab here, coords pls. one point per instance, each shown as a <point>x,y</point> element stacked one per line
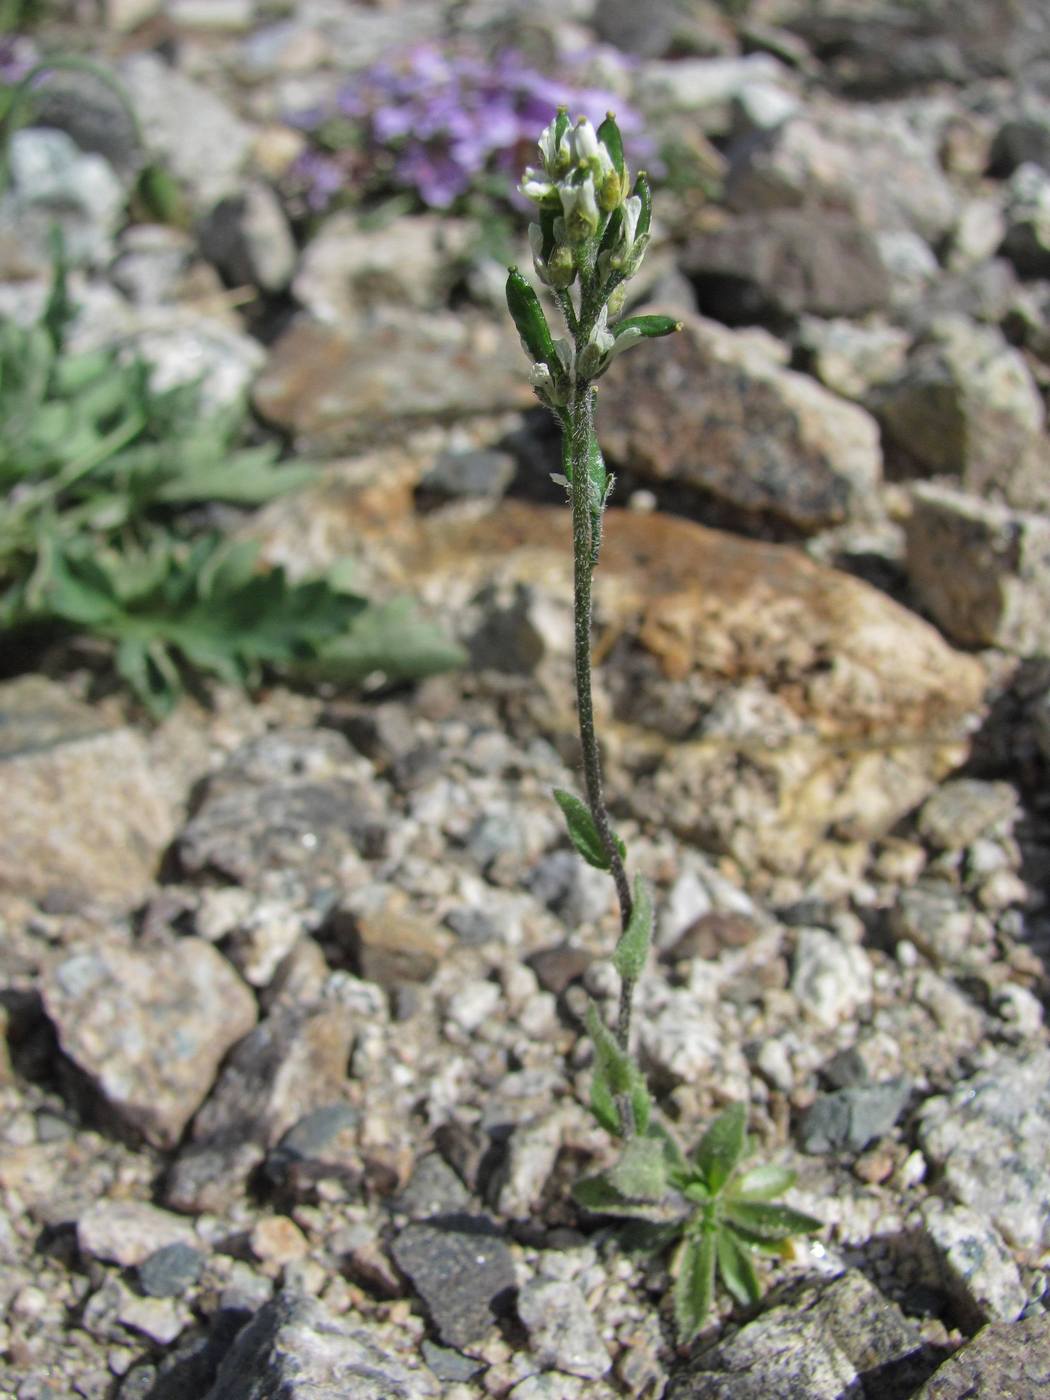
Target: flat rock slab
<point>148,1026</point>
<point>990,1141</point>
<point>332,391</point>
<point>1005,1361</point>
<point>756,699</point>
<point>824,1341</point>
<point>84,820</point>
<point>295,1349</point>
<point>462,1269</point>
<point>714,410</point>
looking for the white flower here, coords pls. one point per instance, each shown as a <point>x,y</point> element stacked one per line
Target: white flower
<point>535,185</point>
<point>588,150</point>
<point>600,342</point>
<point>580,207</point>
<point>556,153</point>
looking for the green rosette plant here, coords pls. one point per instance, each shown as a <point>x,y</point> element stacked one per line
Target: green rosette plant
<point>589,240</point>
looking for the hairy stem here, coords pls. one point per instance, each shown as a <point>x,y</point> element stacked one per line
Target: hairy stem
<point>580,433</point>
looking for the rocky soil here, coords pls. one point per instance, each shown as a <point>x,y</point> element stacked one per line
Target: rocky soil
<point>293,1082</point>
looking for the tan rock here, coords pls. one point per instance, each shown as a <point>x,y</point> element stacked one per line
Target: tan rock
<point>754,700</point>
<point>84,819</point>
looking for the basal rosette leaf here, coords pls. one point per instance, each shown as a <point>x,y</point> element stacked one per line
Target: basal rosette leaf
<point>722,1147</point>
<point>694,1285</point>
<point>761,1183</point>
<point>736,1269</point>
<point>763,1221</point>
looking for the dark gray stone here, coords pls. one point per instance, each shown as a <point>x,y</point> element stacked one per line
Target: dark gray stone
<point>462,1269</point>
<point>170,1270</point>
<point>471,926</point>
<point>848,1119</point>
<point>450,1365</point>
<point>433,1189</point>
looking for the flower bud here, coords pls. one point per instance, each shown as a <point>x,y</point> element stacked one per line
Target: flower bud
<point>561,267</point>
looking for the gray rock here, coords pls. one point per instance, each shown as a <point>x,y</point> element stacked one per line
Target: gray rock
<point>458,474</point>
<point>1023,138</point>
<point>973,1264</point>
<point>335,390</point>
<point>982,569</point>
<point>832,979</point>
<point>434,1189</point>
<point>462,1269</point>
<point>849,1119</point>
<point>561,1329</point>
<point>756,436</point>
<point>938,921</point>
<point>1027,241</point>
<point>347,271</point>
<point>706,87</point>
<point>171,1270</point>
<point>284,814</point>
<point>530,1155</point>
<point>818,1341</point>
<point>785,262</point>
<point>877,161</point>
<point>295,1349</point>
<point>84,819</point>
<point>322,1145</point>
<point>86,108</point>
<point>200,140</point>
<point>850,359</point>
<point>247,237</point>
<point>662,26</point>
<point>293,1061</point>
<point>990,1140</point>
<point>118,1011</point>
<point>450,1365</point>
<point>964,809</point>
<point>53,182</point>
<point>151,262</point>
<point>964,404</point>
<point>1005,1361</point>
<point>130,1232</point>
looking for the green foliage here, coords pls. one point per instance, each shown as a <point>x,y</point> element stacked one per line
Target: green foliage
<point>633,947</point>
<point>718,1214</point>
<point>582,830</point>
<point>103,476</point>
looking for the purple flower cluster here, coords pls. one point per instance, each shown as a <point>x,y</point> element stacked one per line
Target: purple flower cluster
<point>437,122</point>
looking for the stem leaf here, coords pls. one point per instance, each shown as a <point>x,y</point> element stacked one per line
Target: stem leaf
<point>695,1284</point>
<point>583,831</point>
<point>633,947</point>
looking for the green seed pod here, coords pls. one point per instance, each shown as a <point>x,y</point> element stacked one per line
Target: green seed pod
<point>527,314</point>
<point>648,327</point>
<point>609,135</point>
<point>645,194</point>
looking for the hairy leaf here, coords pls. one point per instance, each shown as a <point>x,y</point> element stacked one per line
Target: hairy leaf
<point>694,1285</point>
<point>641,1172</point>
<point>737,1271</point>
<point>633,946</point>
<point>582,831</point>
<point>763,1183</point>
<point>722,1147</point>
<point>764,1221</point>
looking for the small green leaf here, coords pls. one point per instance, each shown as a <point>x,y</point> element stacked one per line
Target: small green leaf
<point>641,1172</point>
<point>582,830</point>
<point>737,1271</point>
<point>633,947</point>
<point>609,134</point>
<point>615,1076</point>
<point>694,1285</point>
<point>649,327</point>
<point>597,1194</point>
<point>764,1183</point>
<point>644,192</point>
<point>722,1147</point>
<point>768,1222</point>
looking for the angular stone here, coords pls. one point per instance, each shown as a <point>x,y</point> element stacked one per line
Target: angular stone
<point>202,142</point>
<point>982,569</point>
<point>347,271</point>
<point>761,700</point>
<point>84,818</point>
<point>964,809</point>
<point>462,1270</point>
<point>293,1061</point>
<point>130,1232</point>
<point>820,1341</point>
<point>248,239</point>
<point>754,435</point>
<point>296,1349</point>
<point>388,944</point>
<point>1005,1361</point>
<point>333,391</point>
<point>849,1119</point>
<point>990,1140</point>
<point>149,1027</point>
<point>785,262</point>
<point>964,404</point>
<point>832,979</point>
<point>561,1329</point>
<point>973,1264</point>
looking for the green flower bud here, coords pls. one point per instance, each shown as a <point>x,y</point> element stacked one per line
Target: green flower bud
<point>561,267</point>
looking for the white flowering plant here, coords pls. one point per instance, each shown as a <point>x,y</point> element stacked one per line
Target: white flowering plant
<point>591,234</point>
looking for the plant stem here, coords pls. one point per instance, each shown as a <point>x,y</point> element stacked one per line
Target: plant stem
<point>580,433</point>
